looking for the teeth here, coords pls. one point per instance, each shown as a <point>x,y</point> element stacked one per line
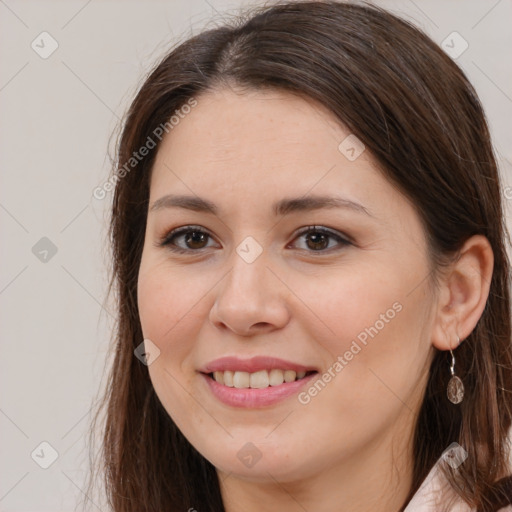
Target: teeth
<point>276,377</point>
<point>257,380</point>
<point>228,379</point>
<point>290,375</point>
<point>241,380</point>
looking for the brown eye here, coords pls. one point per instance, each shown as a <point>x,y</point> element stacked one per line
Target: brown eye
<point>319,239</point>
<point>186,239</point>
<point>196,239</point>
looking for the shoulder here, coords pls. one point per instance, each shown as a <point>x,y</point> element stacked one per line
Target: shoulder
<point>435,493</point>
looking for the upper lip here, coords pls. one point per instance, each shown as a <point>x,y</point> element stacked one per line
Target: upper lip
<point>254,364</point>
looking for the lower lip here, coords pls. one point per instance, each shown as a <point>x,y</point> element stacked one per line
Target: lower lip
<point>254,398</point>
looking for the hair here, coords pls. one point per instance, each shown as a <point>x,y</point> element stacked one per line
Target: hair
<point>421,120</point>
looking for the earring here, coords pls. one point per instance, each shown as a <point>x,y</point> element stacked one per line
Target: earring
<point>455,389</point>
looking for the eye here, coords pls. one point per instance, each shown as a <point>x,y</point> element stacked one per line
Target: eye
<point>194,238</point>
<point>317,239</point>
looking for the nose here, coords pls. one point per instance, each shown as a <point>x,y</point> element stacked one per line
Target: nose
<point>250,299</point>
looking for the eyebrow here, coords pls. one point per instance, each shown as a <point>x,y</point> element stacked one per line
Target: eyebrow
<point>282,207</point>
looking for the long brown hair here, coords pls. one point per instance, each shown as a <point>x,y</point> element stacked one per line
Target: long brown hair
<point>417,113</point>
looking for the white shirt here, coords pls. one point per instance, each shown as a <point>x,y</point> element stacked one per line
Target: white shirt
<point>436,495</point>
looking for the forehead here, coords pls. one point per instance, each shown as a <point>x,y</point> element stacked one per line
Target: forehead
<point>255,138</point>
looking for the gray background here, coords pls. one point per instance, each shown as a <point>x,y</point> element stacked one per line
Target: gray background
<point>57,116</point>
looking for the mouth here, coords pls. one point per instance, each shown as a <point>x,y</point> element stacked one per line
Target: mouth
<point>254,383</point>
<point>261,379</point>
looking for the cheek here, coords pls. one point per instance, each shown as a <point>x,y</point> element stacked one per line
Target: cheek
<point>170,302</point>
<point>356,306</point>
<point>373,333</point>
<point>169,311</point>
<point>171,314</point>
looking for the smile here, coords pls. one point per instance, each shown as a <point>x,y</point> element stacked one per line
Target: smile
<point>260,381</point>
<point>257,380</point>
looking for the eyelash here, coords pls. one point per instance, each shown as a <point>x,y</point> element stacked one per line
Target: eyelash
<point>166,241</point>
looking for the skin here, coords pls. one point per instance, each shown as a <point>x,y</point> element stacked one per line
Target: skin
<point>350,446</point>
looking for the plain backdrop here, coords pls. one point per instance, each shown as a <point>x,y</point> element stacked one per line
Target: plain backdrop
<point>57,116</point>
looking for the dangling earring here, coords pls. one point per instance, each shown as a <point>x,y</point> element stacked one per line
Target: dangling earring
<point>455,389</point>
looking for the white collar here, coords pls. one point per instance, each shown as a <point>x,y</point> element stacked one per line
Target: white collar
<point>436,494</point>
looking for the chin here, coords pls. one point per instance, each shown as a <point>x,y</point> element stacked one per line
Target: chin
<point>263,462</point>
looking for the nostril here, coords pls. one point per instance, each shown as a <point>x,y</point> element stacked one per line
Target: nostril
<point>261,324</point>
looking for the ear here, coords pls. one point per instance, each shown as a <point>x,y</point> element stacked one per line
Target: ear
<point>464,289</point>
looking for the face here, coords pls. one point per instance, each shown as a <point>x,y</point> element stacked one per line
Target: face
<point>293,270</point>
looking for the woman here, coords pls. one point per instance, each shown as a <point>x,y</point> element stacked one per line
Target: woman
<point>309,260</point>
